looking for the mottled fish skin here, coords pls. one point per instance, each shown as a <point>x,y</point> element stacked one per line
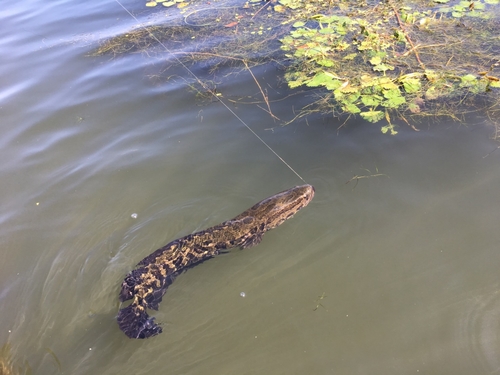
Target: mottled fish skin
<point>148,282</point>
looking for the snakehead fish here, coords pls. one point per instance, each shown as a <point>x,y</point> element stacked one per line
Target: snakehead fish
<point>148,282</point>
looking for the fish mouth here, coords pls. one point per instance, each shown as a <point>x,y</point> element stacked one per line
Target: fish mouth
<point>309,193</point>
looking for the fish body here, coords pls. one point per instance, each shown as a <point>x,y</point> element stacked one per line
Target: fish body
<point>148,282</point>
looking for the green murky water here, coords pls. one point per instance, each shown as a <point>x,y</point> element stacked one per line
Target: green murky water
<point>397,274</point>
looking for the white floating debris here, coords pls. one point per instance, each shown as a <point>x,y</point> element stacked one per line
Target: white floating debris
<point>133,216</point>
<point>242,294</point>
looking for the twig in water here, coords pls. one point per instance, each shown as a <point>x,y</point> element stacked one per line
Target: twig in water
<point>358,177</point>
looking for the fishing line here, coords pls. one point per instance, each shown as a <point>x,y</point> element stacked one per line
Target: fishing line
<point>208,89</point>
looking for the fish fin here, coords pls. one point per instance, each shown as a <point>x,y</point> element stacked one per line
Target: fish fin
<point>252,240</point>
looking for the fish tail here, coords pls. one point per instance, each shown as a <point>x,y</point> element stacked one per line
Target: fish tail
<point>135,322</point>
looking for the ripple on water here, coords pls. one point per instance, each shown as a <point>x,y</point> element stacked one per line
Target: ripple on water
<point>478,334</point>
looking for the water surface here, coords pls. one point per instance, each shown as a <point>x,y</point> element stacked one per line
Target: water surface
<point>395,274</point>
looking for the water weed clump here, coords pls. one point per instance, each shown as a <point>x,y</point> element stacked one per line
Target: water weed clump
<point>381,61</point>
<point>395,60</point>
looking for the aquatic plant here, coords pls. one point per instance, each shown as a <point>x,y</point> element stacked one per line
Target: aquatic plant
<point>371,66</point>
<point>376,60</point>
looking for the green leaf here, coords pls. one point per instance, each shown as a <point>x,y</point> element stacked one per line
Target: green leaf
<point>375,60</point>
<point>371,100</point>
<point>292,4</point>
<point>312,52</point>
<point>348,89</point>
<point>468,80</point>
<point>495,84</point>
<point>445,9</point>
<point>385,83</point>
<point>383,67</point>
<point>325,62</point>
<point>342,30</point>
<point>391,94</point>
<point>394,102</point>
<point>390,127</point>
<point>323,79</point>
<point>400,37</point>
<point>334,84</point>
<point>351,98</point>
<point>330,19</point>
<point>295,84</point>
<point>326,30</point>
<point>340,96</point>
<point>394,98</point>
<point>303,33</point>
<point>431,75</point>
<point>367,81</point>
<point>411,85</point>
<point>351,108</point>
<point>299,24</point>
<point>372,116</point>
<point>342,46</point>
<point>350,56</point>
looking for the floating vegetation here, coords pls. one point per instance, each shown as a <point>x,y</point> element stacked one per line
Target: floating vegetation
<point>221,31</point>
<point>179,3</point>
<point>377,60</point>
<point>399,62</point>
<point>468,8</point>
<point>144,39</point>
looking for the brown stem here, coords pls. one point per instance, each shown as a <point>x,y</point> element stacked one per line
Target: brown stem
<point>413,48</point>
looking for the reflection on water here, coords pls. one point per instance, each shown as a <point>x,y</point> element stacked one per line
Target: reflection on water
<point>7,365</point>
<point>406,264</point>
